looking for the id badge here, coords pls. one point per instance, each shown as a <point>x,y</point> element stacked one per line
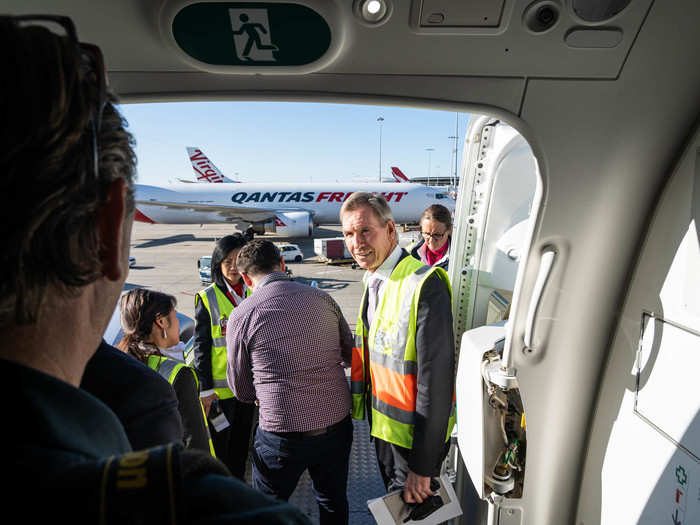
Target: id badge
<point>222,323</point>
<point>220,422</point>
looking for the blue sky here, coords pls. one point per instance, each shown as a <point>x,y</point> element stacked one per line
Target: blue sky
<point>289,141</point>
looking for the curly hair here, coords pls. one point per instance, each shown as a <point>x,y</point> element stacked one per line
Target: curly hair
<point>139,308</point>
<point>49,193</point>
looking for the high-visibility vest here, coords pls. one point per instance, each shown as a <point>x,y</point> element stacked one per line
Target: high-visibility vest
<point>219,307</point>
<point>389,348</point>
<point>169,368</point>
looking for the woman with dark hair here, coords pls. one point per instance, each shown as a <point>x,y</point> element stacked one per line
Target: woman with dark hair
<point>434,247</point>
<point>213,306</point>
<point>150,327</point>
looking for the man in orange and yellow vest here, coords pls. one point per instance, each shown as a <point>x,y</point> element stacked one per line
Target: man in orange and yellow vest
<point>403,357</point>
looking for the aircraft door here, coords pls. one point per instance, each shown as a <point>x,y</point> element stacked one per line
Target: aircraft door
<point>499,185</point>
<point>645,433</point>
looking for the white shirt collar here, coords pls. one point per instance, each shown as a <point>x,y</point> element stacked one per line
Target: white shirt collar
<point>237,297</point>
<point>384,271</point>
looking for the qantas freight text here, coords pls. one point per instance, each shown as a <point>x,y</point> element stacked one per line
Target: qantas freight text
<point>308,196</point>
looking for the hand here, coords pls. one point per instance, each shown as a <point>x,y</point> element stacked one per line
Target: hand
<point>416,488</point>
<point>207,401</point>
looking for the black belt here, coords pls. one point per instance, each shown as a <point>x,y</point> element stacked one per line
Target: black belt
<point>312,433</point>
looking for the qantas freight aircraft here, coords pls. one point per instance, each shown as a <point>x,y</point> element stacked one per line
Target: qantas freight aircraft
<point>287,209</point>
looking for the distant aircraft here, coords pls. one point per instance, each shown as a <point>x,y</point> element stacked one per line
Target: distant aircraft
<point>399,175</point>
<point>290,209</point>
<point>204,169</point>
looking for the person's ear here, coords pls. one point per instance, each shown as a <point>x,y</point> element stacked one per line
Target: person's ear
<point>247,280</point>
<point>162,322</point>
<point>112,223</point>
<point>392,229</point>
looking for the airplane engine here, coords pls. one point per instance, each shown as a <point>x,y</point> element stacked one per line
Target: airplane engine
<point>291,224</point>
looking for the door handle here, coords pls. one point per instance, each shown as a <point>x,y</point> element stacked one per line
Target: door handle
<point>546,264</point>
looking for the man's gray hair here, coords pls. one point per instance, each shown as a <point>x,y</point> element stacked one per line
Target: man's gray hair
<point>376,202</point>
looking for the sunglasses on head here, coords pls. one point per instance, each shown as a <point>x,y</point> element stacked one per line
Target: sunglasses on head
<point>91,65</point>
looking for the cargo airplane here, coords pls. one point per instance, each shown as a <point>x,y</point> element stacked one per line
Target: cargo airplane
<point>287,209</point>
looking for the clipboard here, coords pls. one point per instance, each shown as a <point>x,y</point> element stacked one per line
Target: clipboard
<point>391,509</point>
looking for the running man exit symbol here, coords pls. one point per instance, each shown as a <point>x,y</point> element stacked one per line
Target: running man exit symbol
<point>251,35</point>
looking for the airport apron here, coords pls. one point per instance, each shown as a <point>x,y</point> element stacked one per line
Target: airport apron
<point>386,355</point>
<point>169,368</point>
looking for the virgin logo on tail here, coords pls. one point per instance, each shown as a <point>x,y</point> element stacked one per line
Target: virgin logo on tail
<point>398,175</point>
<point>204,169</point>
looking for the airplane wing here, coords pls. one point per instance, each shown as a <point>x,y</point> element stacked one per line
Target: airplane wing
<point>229,213</point>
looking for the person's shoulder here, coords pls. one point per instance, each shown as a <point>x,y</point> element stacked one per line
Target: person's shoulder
<point>111,365</point>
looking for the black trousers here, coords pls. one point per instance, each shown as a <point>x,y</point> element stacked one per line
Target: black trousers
<point>279,461</point>
<point>232,443</point>
<point>393,463</point>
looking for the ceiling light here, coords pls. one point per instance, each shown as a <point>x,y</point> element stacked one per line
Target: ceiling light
<point>373,11</point>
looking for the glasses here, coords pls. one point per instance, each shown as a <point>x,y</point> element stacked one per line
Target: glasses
<point>436,236</point>
<point>92,68</point>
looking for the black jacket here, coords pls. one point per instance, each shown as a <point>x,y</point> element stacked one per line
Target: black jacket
<point>144,402</point>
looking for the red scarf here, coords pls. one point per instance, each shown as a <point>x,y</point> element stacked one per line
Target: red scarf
<point>434,257</point>
<point>239,289</point>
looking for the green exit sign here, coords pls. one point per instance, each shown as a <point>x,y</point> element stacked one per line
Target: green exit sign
<point>251,34</point>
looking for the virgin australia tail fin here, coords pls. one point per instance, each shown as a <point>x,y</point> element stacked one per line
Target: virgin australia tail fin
<point>204,169</point>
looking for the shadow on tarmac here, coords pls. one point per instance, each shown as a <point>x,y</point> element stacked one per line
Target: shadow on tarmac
<point>173,239</point>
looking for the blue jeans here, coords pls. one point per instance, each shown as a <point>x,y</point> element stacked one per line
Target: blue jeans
<point>279,462</point>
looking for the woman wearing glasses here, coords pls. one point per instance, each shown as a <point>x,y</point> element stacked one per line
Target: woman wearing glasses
<point>434,247</point>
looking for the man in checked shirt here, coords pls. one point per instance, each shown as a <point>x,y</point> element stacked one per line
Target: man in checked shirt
<point>288,346</point>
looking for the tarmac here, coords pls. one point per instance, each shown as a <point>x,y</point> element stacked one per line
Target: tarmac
<point>166,260</point>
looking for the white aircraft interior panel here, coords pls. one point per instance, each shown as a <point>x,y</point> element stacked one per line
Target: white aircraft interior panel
<point>646,479</point>
<point>470,400</point>
<point>663,398</point>
<point>642,461</point>
<point>529,39</point>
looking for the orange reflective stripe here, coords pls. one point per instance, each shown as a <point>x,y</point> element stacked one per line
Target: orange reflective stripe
<point>394,389</point>
<point>357,367</point>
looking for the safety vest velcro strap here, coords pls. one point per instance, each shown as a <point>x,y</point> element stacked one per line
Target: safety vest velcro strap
<point>219,342</point>
<point>396,365</point>
<point>402,416</point>
<point>358,340</point>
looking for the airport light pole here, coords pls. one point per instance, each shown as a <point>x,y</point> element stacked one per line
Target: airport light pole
<point>454,178</point>
<point>429,150</point>
<point>380,120</point>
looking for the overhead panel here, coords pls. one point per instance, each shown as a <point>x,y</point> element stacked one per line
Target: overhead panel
<point>471,13</point>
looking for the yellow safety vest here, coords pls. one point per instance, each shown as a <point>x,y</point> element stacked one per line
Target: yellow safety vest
<point>387,353</point>
<point>219,307</point>
<point>169,368</point>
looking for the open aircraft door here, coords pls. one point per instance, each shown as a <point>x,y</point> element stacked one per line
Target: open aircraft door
<point>499,185</point>
<point>641,458</point>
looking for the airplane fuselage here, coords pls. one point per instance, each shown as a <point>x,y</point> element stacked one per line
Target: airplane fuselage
<point>200,203</point>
